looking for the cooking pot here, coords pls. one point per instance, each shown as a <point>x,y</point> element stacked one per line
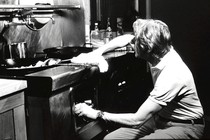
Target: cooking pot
<point>15,55</point>
<point>66,52</point>
<point>15,50</point>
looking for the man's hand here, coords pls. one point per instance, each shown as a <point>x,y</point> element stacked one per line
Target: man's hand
<point>82,109</point>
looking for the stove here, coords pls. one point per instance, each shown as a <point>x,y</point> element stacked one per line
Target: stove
<point>54,86</point>
<point>51,95</point>
<point>57,90</point>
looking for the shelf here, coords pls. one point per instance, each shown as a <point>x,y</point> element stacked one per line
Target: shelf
<point>40,7</point>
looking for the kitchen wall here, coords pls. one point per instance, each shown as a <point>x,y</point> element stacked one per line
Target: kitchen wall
<point>68,29</point>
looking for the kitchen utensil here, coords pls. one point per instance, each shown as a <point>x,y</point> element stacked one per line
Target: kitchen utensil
<point>15,51</point>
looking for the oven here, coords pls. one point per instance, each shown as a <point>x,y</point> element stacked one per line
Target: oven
<point>50,98</point>
<point>52,94</point>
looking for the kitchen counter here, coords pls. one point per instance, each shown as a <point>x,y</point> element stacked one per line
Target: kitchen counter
<point>32,106</point>
<point>52,94</point>
<point>9,86</point>
<point>12,109</point>
<point>43,83</point>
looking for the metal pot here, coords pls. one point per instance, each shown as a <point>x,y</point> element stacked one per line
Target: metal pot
<point>15,51</point>
<point>15,55</point>
<point>66,52</point>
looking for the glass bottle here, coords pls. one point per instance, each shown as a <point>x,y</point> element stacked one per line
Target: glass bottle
<point>120,26</point>
<point>95,33</point>
<point>109,35</point>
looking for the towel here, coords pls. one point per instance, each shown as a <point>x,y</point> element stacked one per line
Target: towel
<point>89,58</point>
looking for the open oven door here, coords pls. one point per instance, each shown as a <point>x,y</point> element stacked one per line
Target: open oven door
<point>85,129</point>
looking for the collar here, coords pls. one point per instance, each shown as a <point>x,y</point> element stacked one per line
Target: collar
<point>163,62</point>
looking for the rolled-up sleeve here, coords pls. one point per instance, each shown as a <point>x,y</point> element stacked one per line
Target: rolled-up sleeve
<point>165,89</point>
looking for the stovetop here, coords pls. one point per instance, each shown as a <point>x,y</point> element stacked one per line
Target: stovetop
<point>20,73</point>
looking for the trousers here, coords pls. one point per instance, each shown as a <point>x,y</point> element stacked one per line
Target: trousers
<point>156,128</point>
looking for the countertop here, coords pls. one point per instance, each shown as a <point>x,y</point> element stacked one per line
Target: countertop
<point>56,77</point>
<point>9,86</point>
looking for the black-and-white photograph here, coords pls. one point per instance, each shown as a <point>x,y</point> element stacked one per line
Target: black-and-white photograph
<point>104,69</point>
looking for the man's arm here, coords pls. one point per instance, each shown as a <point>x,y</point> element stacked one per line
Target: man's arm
<point>145,111</point>
<point>96,57</point>
<point>115,43</point>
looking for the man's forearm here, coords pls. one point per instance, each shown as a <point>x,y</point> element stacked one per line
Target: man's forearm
<point>115,43</point>
<point>127,119</point>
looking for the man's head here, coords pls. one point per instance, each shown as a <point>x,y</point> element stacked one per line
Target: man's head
<point>153,38</point>
<point>137,25</point>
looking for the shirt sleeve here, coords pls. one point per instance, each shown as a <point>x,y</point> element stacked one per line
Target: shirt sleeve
<point>165,89</point>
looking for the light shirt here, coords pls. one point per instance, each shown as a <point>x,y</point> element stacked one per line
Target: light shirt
<point>174,89</point>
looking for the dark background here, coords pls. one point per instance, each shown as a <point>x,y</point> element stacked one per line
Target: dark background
<point>189,23</point>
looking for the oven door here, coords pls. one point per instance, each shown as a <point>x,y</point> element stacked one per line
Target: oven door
<point>84,128</point>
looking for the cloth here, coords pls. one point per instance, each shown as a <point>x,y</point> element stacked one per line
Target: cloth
<point>92,59</point>
<point>174,89</point>
<point>158,129</point>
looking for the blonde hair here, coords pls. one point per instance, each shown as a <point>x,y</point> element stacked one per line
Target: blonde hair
<point>154,36</point>
<point>137,25</point>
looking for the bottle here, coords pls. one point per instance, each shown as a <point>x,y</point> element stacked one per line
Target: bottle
<point>120,26</point>
<point>87,36</point>
<point>95,33</point>
<point>109,35</point>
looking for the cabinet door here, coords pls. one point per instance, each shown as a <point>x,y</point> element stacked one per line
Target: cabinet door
<point>20,123</point>
<point>12,117</point>
<point>6,126</point>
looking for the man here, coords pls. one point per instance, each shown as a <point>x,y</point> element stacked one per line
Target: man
<point>172,109</point>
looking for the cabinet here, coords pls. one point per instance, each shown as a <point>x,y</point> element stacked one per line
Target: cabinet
<point>12,110</point>
<point>53,93</point>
